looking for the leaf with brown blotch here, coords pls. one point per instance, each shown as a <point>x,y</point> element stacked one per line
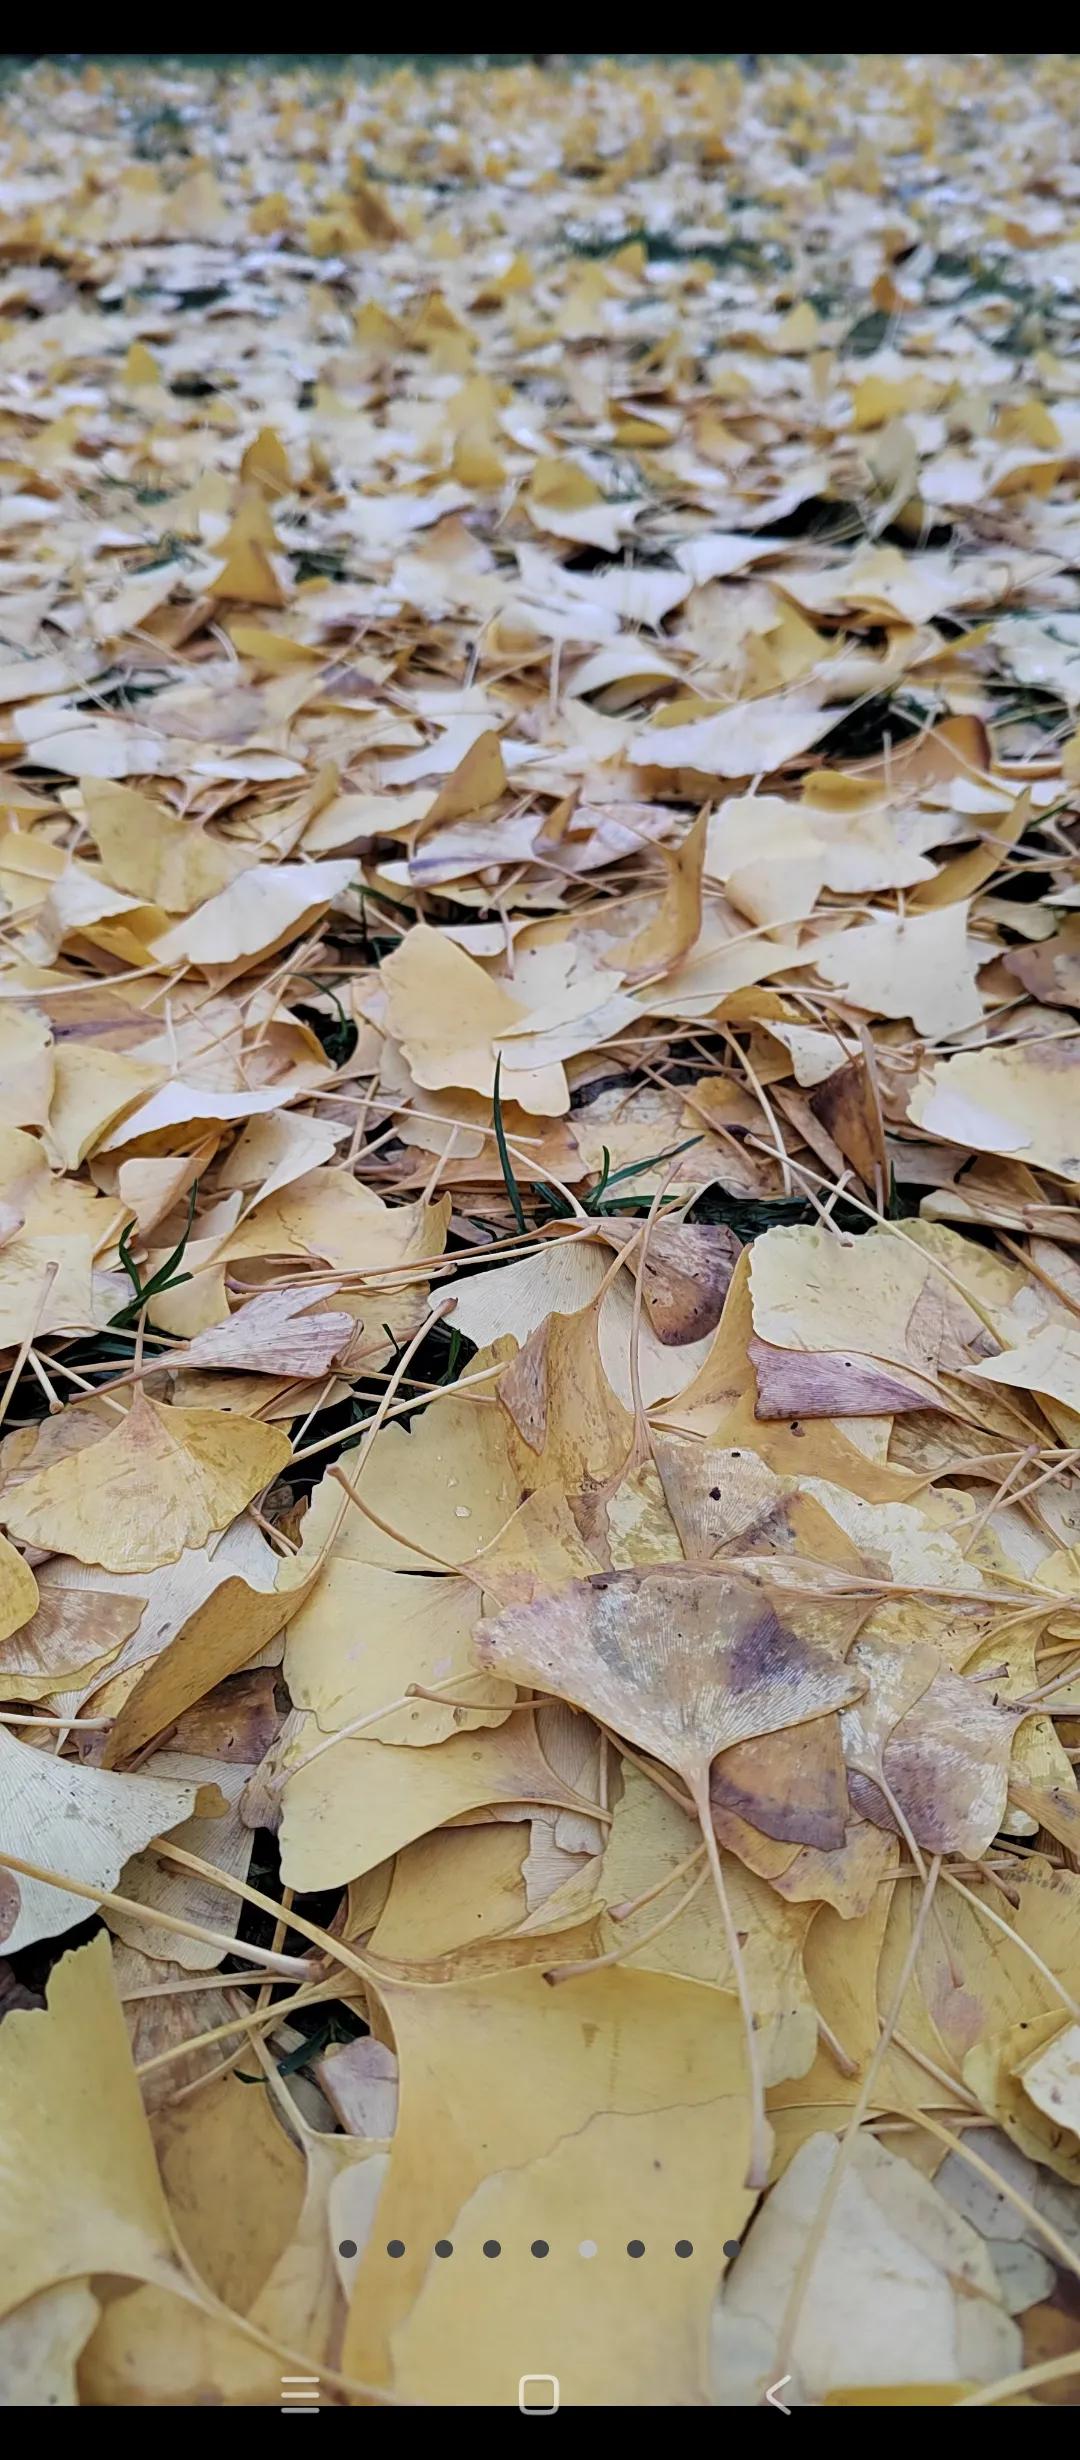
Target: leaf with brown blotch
<point>1051,970</point>
<point>791,1784</point>
<point>848,1107</point>
<point>683,1664</point>
<point>895,1678</point>
<point>828,1384</point>
<point>945,1761</point>
<point>686,1274</point>
<point>566,1426</point>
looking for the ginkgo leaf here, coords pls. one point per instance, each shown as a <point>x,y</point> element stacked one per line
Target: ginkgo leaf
<point>267,905</point>
<point>357,1802</point>
<point>228,2137</point>
<point>221,1624</point>
<point>413,1630</point>
<point>686,1273</point>
<point>450,1475</point>
<point>903,2290</point>
<point>81,2186</point>
<point>70,1636</point>
<point>567,1426</point>
<point>1018,1101</point>
<point>792,1784</point>
<point>456,1885</point>
<point>1047,1362</point>
<point>274,1335</point>
<point>880,1296</point>
<point>18,1592</point>
<point>82,1823</point>
<point>26,1062</point>
<point>219,1837</point>
<point>137,1498</point>
<point>162,861</point>
<point>92,1090</point>
<point>946,1762</point>
<point>447,1014</point>
<point>328,1215</point>
<point>631,2176</point>
<point>648,1840</point>
<point>542,2064</point>
<point>40,2344</point>
<point>922,967</point>
<point>675,926</point>
<point>1025,2078</point>
<point>1051,972</point>
<point>684,1664</point>
<point>740,742</point>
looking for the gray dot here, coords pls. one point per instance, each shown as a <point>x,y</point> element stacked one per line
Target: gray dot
<point>492,2247</point>
<point>636,2246</point>
<point>396,2246</point>
<point>683,2246</point>
<point>540,2246</point>
<point>731,2248</point>
<point>444,2246</point>
<point>347,2246</point>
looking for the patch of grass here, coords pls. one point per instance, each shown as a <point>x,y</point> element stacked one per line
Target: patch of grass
<point>867,334</point>
<point>666,247</point>
<point>165,1278</point>
<point>505,1163</point>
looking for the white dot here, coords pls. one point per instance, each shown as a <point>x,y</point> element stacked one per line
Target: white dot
<point>462,1512</point>
<point>588,2247</point>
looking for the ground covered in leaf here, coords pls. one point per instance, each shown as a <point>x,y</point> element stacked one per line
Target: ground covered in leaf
<point>539,1249</point>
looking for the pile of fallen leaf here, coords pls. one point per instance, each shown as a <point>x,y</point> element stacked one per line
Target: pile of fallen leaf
<point>539,1247</point>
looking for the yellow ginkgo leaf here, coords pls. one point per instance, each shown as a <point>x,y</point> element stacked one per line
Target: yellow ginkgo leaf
<point>498,2072</point>
<point>254,914</point>
<point>82,1823</point>
<point>26,1068</point>
<point>358,1802</point>
<point>18,1592</point>
<point>162,861</point>
<point>447,1014</point>
<point>249,575</point>
<point>265,462</point>
<point>161,1482</point>
<point>663,2179</point>
<point>341,1666</point>
<point>93,1089</point>
<point>81,2190</point>
<point>40,2343</point>
<point>449,1480</point>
